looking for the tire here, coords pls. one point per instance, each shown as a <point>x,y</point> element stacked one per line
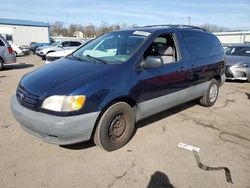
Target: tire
<point>1,64</point>
<point>30,52</point>
<point>211,95</point>
<point>115,127</point>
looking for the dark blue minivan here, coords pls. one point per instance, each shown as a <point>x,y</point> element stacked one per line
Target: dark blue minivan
<point>103,88</point>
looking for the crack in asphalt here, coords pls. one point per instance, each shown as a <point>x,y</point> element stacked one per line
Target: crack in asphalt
<point>123,175</point>
<point>5,126</point>
<point>248,95</point>
<point>210,125</point>
<point>163,129</point>
<point>226,103</point>
<point>234,135</point>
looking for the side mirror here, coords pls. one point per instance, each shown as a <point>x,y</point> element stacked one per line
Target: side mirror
<point>152,62</point>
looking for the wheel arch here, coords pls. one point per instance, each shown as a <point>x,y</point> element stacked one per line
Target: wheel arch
<point>218,78</point>
<point>129,100</point>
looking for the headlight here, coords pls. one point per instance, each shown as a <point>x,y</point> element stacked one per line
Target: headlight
<point>64,103</point>
<point>244,65</point>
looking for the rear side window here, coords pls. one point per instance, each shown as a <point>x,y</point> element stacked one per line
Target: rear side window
<point>66,44</point>
<point>75,43</point>
<point>1,43</point>
<point>202,45</point>
<point>238,51</point>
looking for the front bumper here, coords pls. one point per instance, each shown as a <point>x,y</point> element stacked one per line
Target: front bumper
<point>40,54</point>
<point>54,129</point>
<point>236,73</point>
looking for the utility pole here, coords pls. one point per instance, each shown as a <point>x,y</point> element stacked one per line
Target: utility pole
<point>189,19</point>
<point>67,20</point>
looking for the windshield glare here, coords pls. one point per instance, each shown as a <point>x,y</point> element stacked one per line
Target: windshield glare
<point>55,43</point>
<point>112,48</point>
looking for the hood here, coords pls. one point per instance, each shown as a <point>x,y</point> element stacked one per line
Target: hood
<point>233,60</point>
<point>61,53</point>
<point>50,76</point>
<point>44,47</point>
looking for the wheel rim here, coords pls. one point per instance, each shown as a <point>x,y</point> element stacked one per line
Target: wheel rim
<point>213,93</point>
<point>117,127</point>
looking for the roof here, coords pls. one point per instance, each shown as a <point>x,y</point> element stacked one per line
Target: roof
<point>154,28</point>
<point>22,22</point>
<point>240,45</point>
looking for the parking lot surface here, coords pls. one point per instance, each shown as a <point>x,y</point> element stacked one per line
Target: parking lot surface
<point>151,159</point>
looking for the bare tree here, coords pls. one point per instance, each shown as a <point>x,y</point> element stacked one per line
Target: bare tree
<point>56,28</point>
<point>213,27</point>
<point>91,30</point>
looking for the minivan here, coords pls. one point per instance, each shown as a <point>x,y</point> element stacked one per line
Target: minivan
<point>103,88</point>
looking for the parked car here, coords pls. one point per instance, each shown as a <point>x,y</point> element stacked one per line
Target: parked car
<point>57,46</point>
<point>238,62</point>
<point>6,53</point>
<point>16,50</point>
<point>102,89</point>
<point>53,56</point>
<point>31,49</point>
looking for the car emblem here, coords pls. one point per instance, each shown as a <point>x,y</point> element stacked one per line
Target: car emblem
<point>21,96</point>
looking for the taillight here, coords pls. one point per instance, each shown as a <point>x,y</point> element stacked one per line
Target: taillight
<point>10,50</point>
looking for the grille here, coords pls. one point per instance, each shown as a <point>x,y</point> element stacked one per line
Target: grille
<point>48,58</point>
<point>26,99</point>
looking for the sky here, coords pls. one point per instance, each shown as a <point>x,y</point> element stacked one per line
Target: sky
<point>233,14</point>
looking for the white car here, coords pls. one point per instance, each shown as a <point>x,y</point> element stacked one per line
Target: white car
<point>52,56</point>
<point>16,50</point>
<point>57,46</point>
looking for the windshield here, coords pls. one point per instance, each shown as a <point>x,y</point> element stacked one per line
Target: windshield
<point>112,48</point>
<point>55,44</point>
<point>238,51</point>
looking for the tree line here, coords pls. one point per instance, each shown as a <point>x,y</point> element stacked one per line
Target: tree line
<point>90,31</point>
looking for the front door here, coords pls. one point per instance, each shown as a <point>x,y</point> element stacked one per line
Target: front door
<point>163,87</point>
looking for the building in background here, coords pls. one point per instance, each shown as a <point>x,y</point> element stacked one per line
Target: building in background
<point>23,32</point>
<point>78,34</point>
<point>234,37</point>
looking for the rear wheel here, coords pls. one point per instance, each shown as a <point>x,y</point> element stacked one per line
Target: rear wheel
<point>1,64</point>
<point>115,127</point>
<point>211,95</point>
<point>248,78</point>
<point>30,52</point>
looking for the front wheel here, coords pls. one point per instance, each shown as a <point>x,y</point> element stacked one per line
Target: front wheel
<point>115,127</point>
<point>211,95</point>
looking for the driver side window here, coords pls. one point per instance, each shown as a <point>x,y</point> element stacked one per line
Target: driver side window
<point>164,47</point>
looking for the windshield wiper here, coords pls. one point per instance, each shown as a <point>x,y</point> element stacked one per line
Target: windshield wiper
<point>97,59</point>
<point>71,56</point>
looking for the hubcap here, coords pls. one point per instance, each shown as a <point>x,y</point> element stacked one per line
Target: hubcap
<point>117,126</point>
<point>213,93</point>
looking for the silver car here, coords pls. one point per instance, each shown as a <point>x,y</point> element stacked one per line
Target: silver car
<point>238,62</point>
<point>6,53</point>
<point>57,46</point>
